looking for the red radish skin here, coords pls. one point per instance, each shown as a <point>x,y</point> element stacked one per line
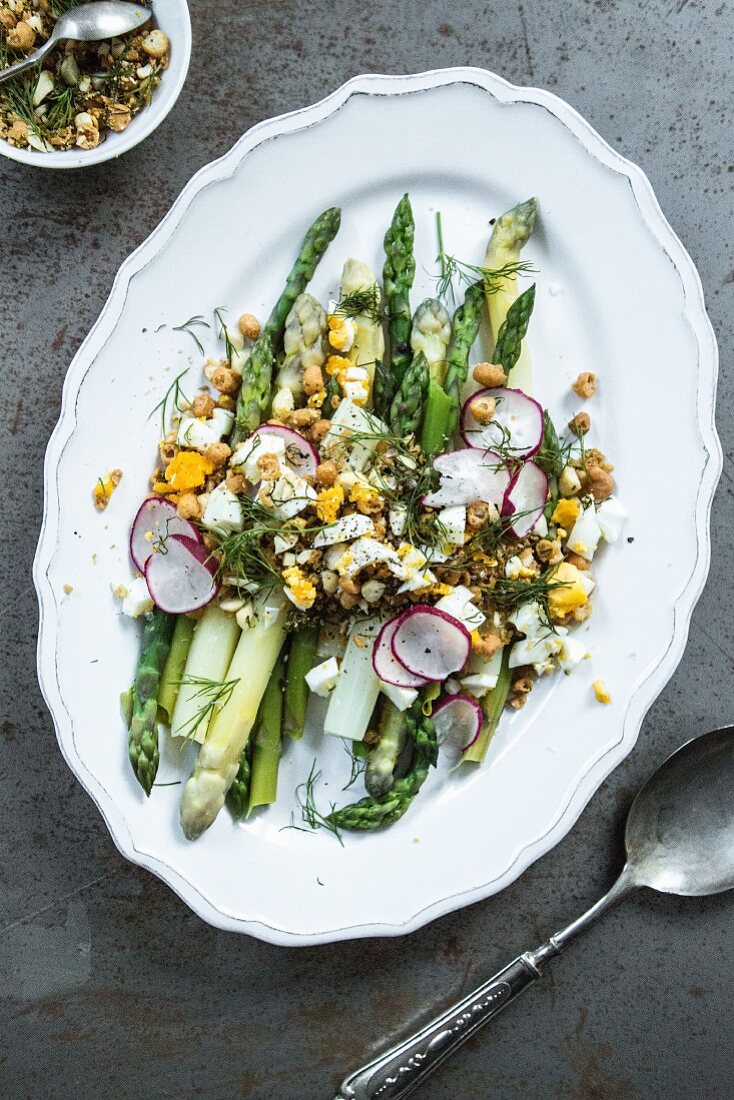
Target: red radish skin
<point>157,518</point>
<point>516,427</point>
<point>525,499</point>
<point>430,643</point>
<point>183,577</point>
<point>467,476</point>
<point>300,454</point>
<point>386,665</point>
<point>458,720</point>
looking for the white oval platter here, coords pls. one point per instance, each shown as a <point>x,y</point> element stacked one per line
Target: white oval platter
<point>617,294</point>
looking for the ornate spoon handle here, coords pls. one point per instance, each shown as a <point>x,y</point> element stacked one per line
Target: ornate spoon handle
<point>400,1070</point>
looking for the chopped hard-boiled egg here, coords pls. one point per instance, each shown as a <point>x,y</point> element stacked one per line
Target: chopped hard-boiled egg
<point>572,591</point>
<point>322,679</point>
<point>611,517</point>
<point>344,530</point>
<point>365,551</point>
<point>600,692</point>
<point>584,537</point>
<point>299,589</point>
<point>349,419</point>
<point>283,543</point>
<point>289,495</point>
<point>540,645</point>
<point>342,332</point>
<point>329,502</point>
<point>104,488</point>
<point>398,516</point>
<point>248,453</point>
<point>573,652</point>
<point>135,597</point>
<point>188,470</point>
<point>459,604</point>
<point>566,513</point>
<point>223,512</point>
<point>200,434</point>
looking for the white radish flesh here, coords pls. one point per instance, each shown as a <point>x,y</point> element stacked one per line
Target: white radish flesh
<point>516,426</point>
<point>155,521</point>
<point>467,476</point>
<point>301,455</point>
<point>458,721</point>
<point>386,665</point>
<point>430,643</point>
<point>525,499</point>
<point>182,577</point>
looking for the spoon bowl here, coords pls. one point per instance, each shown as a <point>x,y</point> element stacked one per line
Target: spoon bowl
<point>100,20</point>
<point>680,829</point>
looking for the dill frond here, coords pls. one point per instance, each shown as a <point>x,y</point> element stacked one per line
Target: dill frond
<point>189,326</point>
<point>175,395</point>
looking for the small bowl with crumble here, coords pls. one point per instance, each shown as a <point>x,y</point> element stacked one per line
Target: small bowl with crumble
<point>87,102</point>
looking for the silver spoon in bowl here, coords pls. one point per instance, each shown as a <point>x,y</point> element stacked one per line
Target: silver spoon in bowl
<point>679,839</point>
<point>87,23</point>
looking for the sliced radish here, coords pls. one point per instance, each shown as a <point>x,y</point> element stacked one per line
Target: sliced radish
<point>157,518</point>
<point>301,455</point>
<point>430,643</point>
<point>525,499</point>
<point>386,665</point>
<point>181,576</point>
<point>458,720</point>
<point>467,476</point>
<point>516,427</point>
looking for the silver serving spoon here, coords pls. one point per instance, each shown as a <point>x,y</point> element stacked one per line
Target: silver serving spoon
<point>87,23</point>
<point>679,839</point>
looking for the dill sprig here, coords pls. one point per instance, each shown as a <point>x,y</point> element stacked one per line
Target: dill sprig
<point>223,334</point>
<point>310,814</point>
<point>189,326</point>
<point>214,694</point>
<point>365,301</point>
<point>357,754</point>
<point>60,110</point>
<point>19,94</point>
<point>452,268</point>
<point>173,394</point>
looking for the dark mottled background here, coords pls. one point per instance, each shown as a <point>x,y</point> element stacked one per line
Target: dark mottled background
<point>109,987</point>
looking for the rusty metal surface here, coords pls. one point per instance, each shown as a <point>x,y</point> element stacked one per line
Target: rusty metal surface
<point>109,987</point>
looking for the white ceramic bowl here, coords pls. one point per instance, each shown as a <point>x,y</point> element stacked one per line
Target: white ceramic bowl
<point>172,16</point>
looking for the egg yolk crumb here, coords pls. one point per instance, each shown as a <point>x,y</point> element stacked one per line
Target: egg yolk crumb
<point>328,503</point>
<point>566,513</point>
<point>571,592</point>
<point>600,692</point>
<point>188,470</point>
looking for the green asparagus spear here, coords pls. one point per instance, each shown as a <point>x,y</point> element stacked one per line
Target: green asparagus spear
<point>266,750</point>
<point>257,372</point>
<point>510,234</point>
<point>379,773</point>
<point>141,703</point>
<point>465,328</point>
<point>383,389</point>
<point>438,413</point>
<point>493,704</point>
<point>511,335</point>
<point>239,793</point>
<point>370,813</point>
<point>173,672</point>
<point>397,277</point>
<point>254,395</point>
<point>301,659</point>
<point>406,411</point>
